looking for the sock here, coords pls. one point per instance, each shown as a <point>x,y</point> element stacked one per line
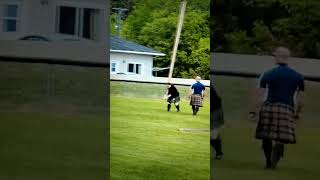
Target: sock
<point>193,109</point>
<point>178,108</point>
<point>169,106</point>
<point>196,110</point>
<point>267,148</point>
<point>218,146</point>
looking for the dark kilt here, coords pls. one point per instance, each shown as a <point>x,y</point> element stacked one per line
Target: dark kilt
<point>276,122</point>
<point>173,99</point>
<point>196,100</point>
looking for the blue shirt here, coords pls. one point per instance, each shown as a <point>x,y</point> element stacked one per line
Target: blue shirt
<point>282,82</point>
<point>198,88</point>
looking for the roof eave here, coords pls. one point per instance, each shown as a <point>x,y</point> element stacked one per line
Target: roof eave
<point>137,52</point>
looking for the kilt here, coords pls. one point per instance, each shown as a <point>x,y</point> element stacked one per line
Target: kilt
<point>174,100</point>
<point>276,122</point>
<point>196,100</point>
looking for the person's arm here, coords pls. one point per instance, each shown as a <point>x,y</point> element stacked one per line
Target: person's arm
<point>190,90</point>
<point>203,92</point>
<point>259,99</point>
<point>299,99</point>
<point>166,94</point>
<point>257,96</point>
<point>299,104</point>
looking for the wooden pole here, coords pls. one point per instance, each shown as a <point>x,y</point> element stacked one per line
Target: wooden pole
<point>176,43</point>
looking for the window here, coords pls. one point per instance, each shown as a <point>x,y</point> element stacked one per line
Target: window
<point>113,67</point>
<point>10,18</point>
<point>131,68</point>
<point>138,68</point>
<point>67,20</point>
<point>80,22</point>
<point>134,68</point>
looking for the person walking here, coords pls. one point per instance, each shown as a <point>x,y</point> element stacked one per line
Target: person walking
<point>278,106</point>
<point>196,95</point>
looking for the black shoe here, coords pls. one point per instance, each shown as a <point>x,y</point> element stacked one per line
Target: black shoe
<point>219,156</point>
<point>268,166</point>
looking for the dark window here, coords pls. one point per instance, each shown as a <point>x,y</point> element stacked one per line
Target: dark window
<point>10,18</point>
<point>11,11</point>
<point>10,25</point>
<point>67,20</point>
<point>138,68</point>
<point>87,23</point>
<point>131,68</point>
<point>113,67</point>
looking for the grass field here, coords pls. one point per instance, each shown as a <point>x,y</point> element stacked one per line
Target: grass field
<point>243,155</point>
<point>57,136</point>
<point>62,134</point>
<point>145,141</point>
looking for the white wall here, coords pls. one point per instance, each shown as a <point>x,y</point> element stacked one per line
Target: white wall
<point>122,60</point>
<point>162,80</point>
<point>38,19</point>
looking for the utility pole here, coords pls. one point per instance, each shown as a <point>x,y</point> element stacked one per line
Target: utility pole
<point>120,12</point>
<point>176,43</point>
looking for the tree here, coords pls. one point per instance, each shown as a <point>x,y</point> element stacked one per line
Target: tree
<point>153,24</point>
<point>256,26</point>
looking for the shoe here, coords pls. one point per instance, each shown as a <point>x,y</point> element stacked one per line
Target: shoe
<point>268,166</point>
<point>219,156</point>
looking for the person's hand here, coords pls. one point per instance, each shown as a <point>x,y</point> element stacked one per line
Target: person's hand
<point>165,96</point>
<point>252,116</point>
<point>297,115</point>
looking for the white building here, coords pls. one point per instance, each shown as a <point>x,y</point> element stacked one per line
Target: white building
<point>74,29</point>
<point>129,58</point>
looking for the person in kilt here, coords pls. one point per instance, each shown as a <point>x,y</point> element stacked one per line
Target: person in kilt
<point>172,95</point>
<point>216,121</point>
<point>196,95</point>
<point>278,109</point>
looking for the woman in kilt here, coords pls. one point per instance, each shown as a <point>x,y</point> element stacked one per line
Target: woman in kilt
<point>172,95</point>
<point>278,112</point>
<point>216,121</point>
<point>196,95</point>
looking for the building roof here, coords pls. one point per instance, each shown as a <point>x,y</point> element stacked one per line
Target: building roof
<point>256,64</point>
<point>123,46</point>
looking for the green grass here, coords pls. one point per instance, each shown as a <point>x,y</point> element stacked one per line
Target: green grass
<point>61,135</point>
<point>146,143</point>
<point>52,146</point>
<point>243,154</point>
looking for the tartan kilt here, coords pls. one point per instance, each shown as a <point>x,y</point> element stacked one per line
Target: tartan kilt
<point>174,100</point>
<point>196,100</point>
<point>276,122</point>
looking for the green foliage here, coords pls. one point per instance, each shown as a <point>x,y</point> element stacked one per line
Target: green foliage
<point>256,26</point>
<point>153,23</point>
